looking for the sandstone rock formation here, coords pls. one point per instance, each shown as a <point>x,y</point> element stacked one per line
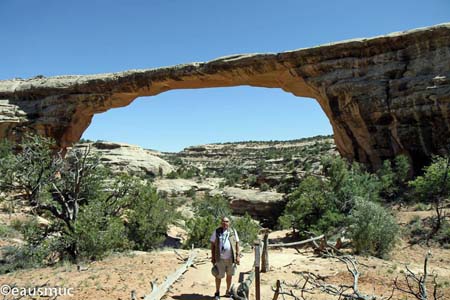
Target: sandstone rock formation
<point>264,206</point>
<point>120,157</point>
<point>383,96</point>
<point>179,186</point>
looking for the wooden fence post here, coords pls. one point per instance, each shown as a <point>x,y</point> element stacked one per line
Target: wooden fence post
<point>265,254</point>
<point>257,265</point>
<point>277,291</point>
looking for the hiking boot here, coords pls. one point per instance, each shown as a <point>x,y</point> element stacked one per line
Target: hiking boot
<point>217,296</point>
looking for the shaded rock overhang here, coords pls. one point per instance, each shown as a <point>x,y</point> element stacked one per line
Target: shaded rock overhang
<point>383,96</point>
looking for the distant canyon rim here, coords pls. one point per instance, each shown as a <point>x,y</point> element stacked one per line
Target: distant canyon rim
<point>384,96</point>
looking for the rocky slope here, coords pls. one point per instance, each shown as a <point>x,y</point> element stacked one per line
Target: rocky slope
<point>253,176</point>
<point>120,157</point>
<point>383,96</point>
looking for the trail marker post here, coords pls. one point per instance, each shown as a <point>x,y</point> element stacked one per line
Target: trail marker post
<point>257,245</point>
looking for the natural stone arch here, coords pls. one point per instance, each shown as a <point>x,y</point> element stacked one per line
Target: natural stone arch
<point>384,96</point>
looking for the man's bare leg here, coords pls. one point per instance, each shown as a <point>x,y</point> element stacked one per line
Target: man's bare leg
<point>218,280</point>
<point>229,278</point>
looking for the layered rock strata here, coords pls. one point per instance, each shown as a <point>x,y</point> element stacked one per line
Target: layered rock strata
<point>384,96</point>
<point>131,159</point>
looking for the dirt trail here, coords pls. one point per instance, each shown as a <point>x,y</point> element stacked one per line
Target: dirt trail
<point>377,275</point>
<point>117,275</point>
<point>198,283</point>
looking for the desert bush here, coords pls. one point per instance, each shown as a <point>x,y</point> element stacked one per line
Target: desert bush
<point>96,232</point>
<point>149,217</point>
<point>200,230</point>
<point>7,231</point>
<point>252,180</point>
<point>172,175</point>
<point>433,187</point>
<point>432,183</point>
<point>443,235</point>
<point>310,208</point>
<point>16,258</point>
<point>190,193</point>
<point>29,171</point>
<point>246,228</point>
<point>264,187</point>
<point>216,206</point>
<point>393,177</point>
<point>84,203</point>
<point>232,175</point>
<point>349,182</point>
<point>373,229</point>
<point>34,253</point>
<point>420,206</point>
<point>208,210</point>
<point>416,230</point>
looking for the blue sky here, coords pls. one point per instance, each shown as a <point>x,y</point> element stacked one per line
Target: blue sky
<point>54,37</point>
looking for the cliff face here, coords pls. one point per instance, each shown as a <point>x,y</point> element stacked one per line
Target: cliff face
<point>383,96</point>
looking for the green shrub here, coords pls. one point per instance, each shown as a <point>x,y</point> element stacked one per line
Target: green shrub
<point>190,193</point>
<point>83,202</point>
<point>209,210</point>
<point>200,230</point>
<point>252,180</point>
<point>372,229</point>
<point>349,182</point>
<point>421,206</point>
<point>97,232</point>
<point>310,208</point>
<point>7,231</point>
<point>443,235</point>
<point>216,206</point>
<point>416,230</point>
<point>432,183</point>
<point>34,253</point>
<point>264,187</point>
<point>149,218</point>
<point>29,171</point>
<point>16,258</point>
<point>172,175</point>
<point>246,228</point>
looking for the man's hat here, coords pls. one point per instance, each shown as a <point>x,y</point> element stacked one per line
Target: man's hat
<point>215,271</point>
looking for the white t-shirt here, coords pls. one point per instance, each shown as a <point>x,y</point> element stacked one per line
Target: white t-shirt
<point>224,243</point>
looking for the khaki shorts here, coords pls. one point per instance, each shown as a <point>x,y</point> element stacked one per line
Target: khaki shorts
<point>226,266</point>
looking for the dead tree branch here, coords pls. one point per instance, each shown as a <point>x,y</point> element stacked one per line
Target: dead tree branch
<point>416,284</point>
<point>313,282</point>
<point>297,243</point>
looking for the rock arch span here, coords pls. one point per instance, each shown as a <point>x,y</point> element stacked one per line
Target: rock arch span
<point>384,96</point>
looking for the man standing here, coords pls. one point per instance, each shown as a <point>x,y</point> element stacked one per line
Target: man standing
<point>224,254</point>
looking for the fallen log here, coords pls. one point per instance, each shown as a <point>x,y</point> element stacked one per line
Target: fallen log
<point>299,242</point>
<point>159,291</point>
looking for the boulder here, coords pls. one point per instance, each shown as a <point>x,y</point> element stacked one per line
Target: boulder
<point>264,206</point>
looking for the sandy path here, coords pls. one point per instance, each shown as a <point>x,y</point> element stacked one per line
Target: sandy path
<point>377,275</point>
<point>198,283</point>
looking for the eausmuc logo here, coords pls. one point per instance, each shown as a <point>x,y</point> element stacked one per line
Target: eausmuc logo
<point>35,291</point>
